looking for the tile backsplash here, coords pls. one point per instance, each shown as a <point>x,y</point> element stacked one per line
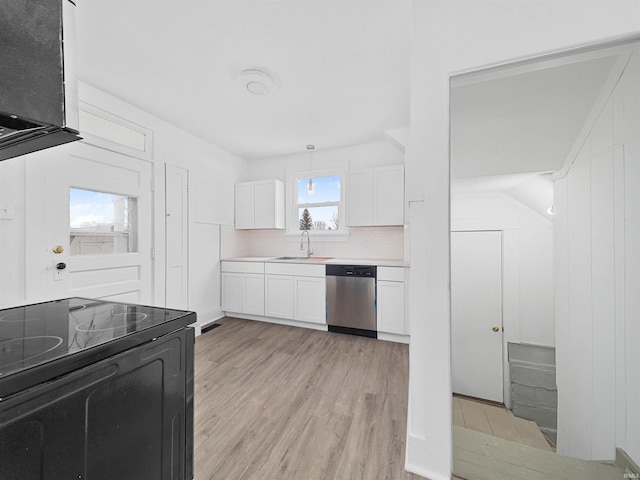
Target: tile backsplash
<point>363,242</point>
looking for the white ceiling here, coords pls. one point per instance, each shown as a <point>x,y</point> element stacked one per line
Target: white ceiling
<point>525,122</point>
<point>342,72</point>
<point>341,67</point>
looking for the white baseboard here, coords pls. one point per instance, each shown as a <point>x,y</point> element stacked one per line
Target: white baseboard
<point>280,321</point>
<point>417,460</point>
<point>393,337</point>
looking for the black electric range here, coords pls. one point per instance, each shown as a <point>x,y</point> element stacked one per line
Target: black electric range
<point>42,341</point>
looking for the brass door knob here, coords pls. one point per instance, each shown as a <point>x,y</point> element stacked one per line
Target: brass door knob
<point>58,249</point>
<point>496,329</point>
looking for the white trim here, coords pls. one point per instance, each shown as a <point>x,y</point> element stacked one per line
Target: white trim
<point>394,337</point>
<point>146,154</point>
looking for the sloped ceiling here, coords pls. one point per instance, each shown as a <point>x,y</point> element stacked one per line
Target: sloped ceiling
<point>525,122</point>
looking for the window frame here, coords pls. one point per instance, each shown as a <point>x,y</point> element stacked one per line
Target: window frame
<point>292,205</point>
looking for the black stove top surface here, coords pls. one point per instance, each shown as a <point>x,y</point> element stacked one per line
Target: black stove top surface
<point>62,335</point>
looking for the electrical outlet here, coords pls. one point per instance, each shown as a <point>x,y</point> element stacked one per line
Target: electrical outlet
<point>6,212</point>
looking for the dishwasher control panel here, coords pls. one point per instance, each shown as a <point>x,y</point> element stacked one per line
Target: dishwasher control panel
<point>351,271</point>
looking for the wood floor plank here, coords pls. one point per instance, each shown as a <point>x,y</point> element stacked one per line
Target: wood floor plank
<point>458,418</point>
<point>502,422</point>
<point>503,455</point>
<point>278,402</point>
<point>531,435</point>
<point>474,416</point>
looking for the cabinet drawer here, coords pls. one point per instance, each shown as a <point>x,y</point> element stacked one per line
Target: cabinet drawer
<point>391,274</point>
<point>242,267</point>
<point>295,269</point>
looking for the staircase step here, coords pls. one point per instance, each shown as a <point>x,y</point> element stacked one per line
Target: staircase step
<point>531,435</point>
<point>477,456</point>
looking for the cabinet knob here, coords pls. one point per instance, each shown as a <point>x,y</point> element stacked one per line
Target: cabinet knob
<point>496,329</point>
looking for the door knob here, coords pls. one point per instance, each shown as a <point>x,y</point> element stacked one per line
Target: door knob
<point>61,266</point>
<point>58,249</point>
<point>496,329</point>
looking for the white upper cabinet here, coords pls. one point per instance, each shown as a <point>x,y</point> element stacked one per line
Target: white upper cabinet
<point>376,197</point>
<point>259,204</point>
<point>360,198</point>
<point>388,195</point>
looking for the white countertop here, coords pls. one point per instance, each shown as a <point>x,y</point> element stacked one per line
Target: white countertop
<point>325,261</point>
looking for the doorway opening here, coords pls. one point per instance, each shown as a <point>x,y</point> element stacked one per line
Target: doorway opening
<point>534,144</point>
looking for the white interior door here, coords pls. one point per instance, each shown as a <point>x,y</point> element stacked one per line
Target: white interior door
<point>176,225</point>
<point>95,206</point>
<point>476,314</point>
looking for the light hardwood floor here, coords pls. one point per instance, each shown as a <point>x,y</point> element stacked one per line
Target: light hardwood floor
<point>497,421</point>
<point>277,402</point>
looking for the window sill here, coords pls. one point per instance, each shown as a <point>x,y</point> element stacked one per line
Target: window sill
<point>319,236</point>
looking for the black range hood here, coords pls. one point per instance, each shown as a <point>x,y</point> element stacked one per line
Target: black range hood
<point>38,83</point>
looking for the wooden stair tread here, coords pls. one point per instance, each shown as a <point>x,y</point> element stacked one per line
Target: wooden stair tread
<point>496,420</point>
<point>478,456</point>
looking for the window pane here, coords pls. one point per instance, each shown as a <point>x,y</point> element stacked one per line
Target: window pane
<point>325,189</point>
<point>319,218</point>
<point>102,223</point>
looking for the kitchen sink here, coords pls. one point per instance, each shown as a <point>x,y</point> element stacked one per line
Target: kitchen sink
<point>316,259</point>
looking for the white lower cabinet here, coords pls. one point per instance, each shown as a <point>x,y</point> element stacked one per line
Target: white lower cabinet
<point>232,286</point>
<point>243,287</point>
<point>309,295</point>
<point>295,291</point>
<point>278,296</point>
<point>390,300</point>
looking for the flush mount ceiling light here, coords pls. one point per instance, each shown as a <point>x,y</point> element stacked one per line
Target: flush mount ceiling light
<point>256,81</point>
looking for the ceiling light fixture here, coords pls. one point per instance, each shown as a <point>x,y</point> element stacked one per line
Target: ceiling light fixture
<point>310,186</point>
<point>256,81</point>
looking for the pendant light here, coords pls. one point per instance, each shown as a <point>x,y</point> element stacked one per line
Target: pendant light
<point>310,185</point>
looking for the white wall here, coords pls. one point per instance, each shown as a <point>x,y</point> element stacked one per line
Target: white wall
<point>528,301</point>
<point>369,242</point>
<point>447,37</point>
<point>212,173</point>
<point>12,233</point>
<point>598,282</point>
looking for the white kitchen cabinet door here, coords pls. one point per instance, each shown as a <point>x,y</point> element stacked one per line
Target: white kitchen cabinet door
<point>279,296</point>
<point>390,307</point>
<point>253,294</point>
<point>388,195</point>
<point>269,204</point>
<point>259,204</point>
<point>310,299</point>
<point>360,198</point>
<point>232,288</point>
<point>245,205</point>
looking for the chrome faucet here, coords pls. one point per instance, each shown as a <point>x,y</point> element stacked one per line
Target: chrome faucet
<point>309,251</point>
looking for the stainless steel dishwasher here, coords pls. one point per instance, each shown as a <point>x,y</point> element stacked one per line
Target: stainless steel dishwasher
<point>351,299</point>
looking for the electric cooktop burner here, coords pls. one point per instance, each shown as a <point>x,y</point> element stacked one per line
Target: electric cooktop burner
<point>24,349</point>
<point>36,334</point>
